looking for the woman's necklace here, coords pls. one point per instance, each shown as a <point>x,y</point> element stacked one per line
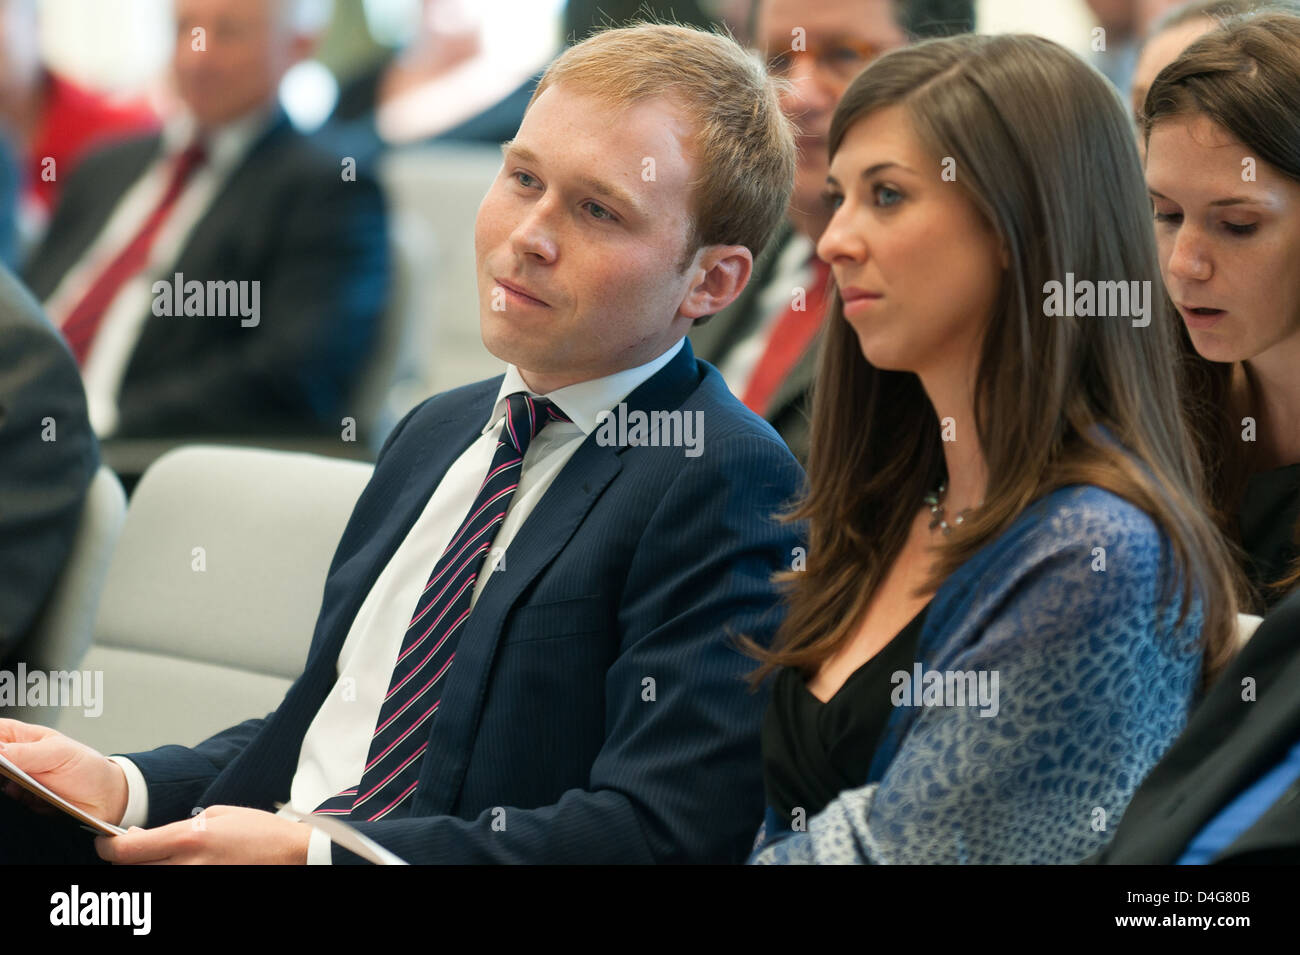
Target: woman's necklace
<point>935,500</point>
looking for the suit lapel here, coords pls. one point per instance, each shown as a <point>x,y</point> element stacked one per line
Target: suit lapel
<point>538,543</point>
<point>226,213</point>
<point>75,228</point>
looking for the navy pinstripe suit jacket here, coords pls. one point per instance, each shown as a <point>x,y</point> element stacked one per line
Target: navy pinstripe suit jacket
<point>637,565</point>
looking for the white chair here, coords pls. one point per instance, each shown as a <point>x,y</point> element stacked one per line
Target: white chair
<point>396,377</point>
<point>213,592</point>
<point>62,633</point>
<point>443,185</point>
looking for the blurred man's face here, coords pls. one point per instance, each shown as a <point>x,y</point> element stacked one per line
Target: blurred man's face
<point>820,47</point>
<point>1161,50</point>
<point>235,65</point>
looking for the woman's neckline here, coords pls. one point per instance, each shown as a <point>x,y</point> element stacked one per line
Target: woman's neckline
<point>865,663</point>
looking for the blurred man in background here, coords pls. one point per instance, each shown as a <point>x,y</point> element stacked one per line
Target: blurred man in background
<point>226,277</point>
<point>765,343</point>
<point>1177,29</point>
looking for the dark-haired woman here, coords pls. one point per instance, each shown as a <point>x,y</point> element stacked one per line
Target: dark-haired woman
<point>1012,591</point>
<point>1222,125</point>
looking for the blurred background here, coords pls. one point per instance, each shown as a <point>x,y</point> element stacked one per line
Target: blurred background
<point>416,93</point>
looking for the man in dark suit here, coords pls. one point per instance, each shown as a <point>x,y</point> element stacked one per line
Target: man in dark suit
<point>229,275</point>
<point>625,531</point>
<point>1228,790</point>
<point>765,343</point>
<point>48,457</point>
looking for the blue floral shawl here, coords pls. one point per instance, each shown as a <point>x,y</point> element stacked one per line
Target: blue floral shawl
<point>1095,679</point>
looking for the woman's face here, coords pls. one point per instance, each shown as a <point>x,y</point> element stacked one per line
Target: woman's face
<point>916,264</point>
<point>1228,230</point>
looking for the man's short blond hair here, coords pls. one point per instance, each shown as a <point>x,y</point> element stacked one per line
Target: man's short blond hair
<point>744,145</point>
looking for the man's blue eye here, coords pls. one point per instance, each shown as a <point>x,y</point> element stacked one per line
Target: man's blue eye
<point>521,176</point>
<point>600,212</point>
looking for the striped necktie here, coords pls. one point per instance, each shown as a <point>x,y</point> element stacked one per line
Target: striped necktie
<point>429,647</point>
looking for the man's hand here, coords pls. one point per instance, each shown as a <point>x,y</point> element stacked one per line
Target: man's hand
<point>224,835</point>
<point>76,772</point>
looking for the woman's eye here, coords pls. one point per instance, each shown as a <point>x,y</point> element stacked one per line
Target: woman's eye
<point>887,196</point>
<point>832,200</point>
<point>1173,218</point>
<point>600,212</point>
<point>1236,229</point>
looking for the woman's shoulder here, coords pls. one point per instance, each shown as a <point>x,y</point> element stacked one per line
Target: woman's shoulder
<point>1084,514</point>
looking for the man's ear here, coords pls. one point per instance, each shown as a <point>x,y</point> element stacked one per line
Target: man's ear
<point>719,274</point>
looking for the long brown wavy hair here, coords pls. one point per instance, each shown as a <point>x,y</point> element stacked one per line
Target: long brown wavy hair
<point>1245,77</point>
<point>1046,152</point>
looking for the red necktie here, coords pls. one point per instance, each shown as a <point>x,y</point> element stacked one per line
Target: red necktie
<point>83,321</point>
<point>793,332</point>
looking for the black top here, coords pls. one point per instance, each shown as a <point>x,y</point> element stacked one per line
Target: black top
<point>813,751</point>
<point>1269,511</point>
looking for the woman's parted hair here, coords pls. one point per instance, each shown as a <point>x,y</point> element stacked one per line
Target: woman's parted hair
<point>1244,77</point>
<point>744,144</point>
<point>1044,148</point>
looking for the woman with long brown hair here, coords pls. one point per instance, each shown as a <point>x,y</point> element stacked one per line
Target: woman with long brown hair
<point>1011,591</point>
<point>1222,126</point>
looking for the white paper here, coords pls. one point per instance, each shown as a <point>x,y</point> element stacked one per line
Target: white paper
<point>8,769</point>
<point>343,834</point>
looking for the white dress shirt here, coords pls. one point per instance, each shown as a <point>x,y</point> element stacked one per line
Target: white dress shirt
<point>337,742</point>
<point>793,269</point>
<point>125,315</point>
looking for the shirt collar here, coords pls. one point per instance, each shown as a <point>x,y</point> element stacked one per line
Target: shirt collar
<point>585,400</point>
<point>226,144</point>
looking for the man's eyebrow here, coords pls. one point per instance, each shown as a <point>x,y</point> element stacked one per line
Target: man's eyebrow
<point>1230,201</point>
<point>872,170</point>
<point>599,186</point>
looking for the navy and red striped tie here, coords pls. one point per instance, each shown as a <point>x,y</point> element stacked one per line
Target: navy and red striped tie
<point>429,647</point>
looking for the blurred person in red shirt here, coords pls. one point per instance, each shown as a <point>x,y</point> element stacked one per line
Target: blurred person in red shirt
<point>52,122</point>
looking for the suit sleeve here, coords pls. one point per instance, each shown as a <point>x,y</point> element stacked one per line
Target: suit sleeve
<point>1093,685</point>
<point>48,457</point>
<point>322,295</point>
<point>677,711</point>
<point>178,775</point>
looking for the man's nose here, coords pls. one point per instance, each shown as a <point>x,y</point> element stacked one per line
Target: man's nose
<point>534,236</point>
